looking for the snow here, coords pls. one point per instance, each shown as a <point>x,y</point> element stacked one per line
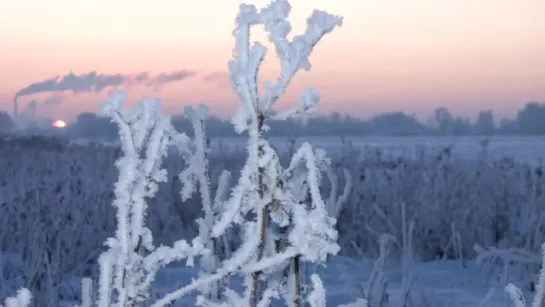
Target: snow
<point>444,283</point>
<point>520,148</point>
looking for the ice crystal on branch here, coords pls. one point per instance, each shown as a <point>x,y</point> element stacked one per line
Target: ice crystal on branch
<point>291,222</point>
<point>197,174</point>
<point>293,56</point>
<point>130,264</point>
<point>22,299</point>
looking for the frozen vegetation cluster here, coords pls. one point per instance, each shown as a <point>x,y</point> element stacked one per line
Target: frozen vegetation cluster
<point>93,225</point>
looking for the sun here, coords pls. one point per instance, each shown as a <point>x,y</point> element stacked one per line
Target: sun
<point>59,124</point>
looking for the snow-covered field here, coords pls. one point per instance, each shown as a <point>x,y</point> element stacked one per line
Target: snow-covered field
<point>55,196</point>
<point>530,149</point>
<point>522,148</point>
<point>438,283</point>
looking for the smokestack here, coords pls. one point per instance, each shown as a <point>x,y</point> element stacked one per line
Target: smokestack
<point>15,107</point>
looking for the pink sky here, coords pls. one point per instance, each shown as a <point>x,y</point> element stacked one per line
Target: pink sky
<point>410,55</point>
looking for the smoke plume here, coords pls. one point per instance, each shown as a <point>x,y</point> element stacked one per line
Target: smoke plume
<point>94,82</point>
<point>159,80</point>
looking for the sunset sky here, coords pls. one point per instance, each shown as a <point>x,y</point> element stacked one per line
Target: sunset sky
<point>410,55</point>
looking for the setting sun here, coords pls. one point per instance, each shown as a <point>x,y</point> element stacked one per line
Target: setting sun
<point>59,124</point>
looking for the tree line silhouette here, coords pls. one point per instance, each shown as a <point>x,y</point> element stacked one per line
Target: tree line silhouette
<point>530,120</point>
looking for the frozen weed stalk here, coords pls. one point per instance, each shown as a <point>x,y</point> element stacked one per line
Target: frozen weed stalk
<point>197,174</point>
<point>129,266</point>
<point>290,221</point>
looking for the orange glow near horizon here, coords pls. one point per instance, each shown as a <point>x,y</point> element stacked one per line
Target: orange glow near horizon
<point>388,55</point>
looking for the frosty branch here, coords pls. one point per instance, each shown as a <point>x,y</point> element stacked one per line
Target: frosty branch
<point>130,264</point>
<point>197,173</point>
<point>281,222</point>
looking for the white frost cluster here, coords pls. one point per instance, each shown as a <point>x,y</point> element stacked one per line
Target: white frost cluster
<point>130,264</point>
<point>290,220</point>
<point>22,299</point>
<point>293,56</point>
<point>335,202</point>
<point>314,231</point>
<point>515,294</point>
<point>196,175</point>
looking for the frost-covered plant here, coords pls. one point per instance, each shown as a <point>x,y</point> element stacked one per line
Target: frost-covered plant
<point>22,299</point>
<point>86,293</point>
<point>282,211</point>
<point>493,257</point>
<point>131,262</point>
<point>516,296</point>
<point>197,174</point>
<point>316,298</point>
<point>336,202</point>
<point>377,284</point>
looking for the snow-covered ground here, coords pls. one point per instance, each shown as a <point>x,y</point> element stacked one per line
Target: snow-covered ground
<point>441,283</point>
<point>522,148</point>
<point>438,283</point>
<point>85,176</point>
<point>33,173</point>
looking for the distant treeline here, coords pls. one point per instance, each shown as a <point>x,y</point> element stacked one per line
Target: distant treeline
<point>530,120</point>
